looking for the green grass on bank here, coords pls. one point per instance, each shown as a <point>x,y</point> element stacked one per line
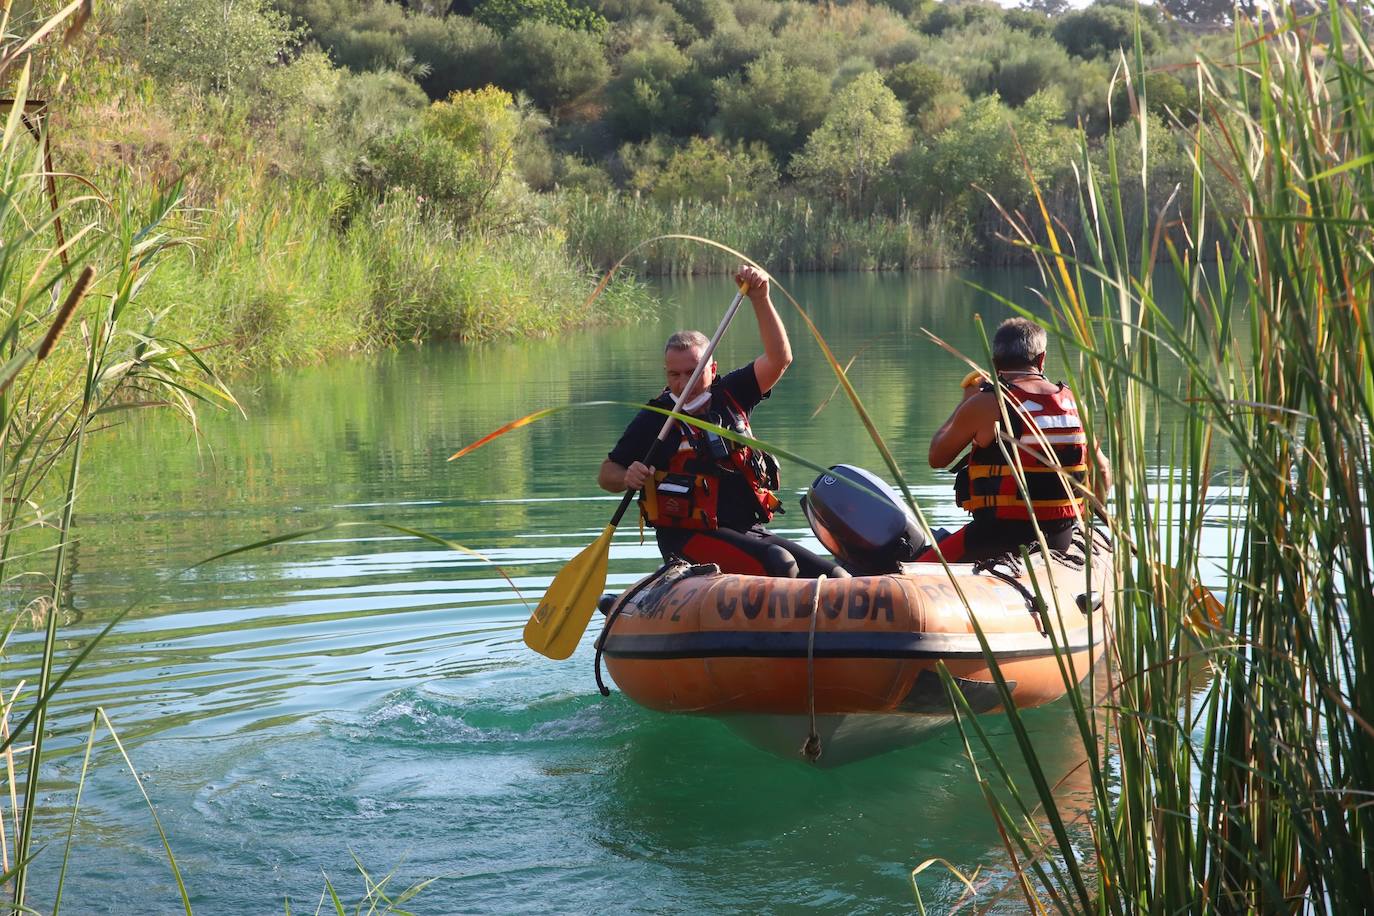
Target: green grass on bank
<point>280,258</point>
<point>271,278</point>
<point>787,234</point>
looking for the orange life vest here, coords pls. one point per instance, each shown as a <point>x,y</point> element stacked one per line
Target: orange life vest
<point>686,493</point>
<point>1052,447</point>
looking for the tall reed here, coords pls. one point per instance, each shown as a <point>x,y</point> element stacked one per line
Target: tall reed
<point>1232,758</point>
<point>70,362</point>
<point>787,234</point>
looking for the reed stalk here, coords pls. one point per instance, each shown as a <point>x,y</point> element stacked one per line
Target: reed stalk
<point>1232,757</point>
<point>50,398</point>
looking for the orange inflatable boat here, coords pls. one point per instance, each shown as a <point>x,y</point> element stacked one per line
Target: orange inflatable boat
<point>844,668</point>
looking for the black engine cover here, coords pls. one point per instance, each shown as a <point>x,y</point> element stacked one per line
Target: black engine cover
<point>862,521</point>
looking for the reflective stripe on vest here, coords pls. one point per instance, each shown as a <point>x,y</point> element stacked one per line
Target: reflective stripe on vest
<point>1052,449</point>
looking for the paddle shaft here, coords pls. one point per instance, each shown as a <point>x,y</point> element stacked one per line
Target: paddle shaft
<point>677,402</point>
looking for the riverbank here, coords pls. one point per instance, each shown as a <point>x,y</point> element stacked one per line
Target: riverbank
<point>275,281</point>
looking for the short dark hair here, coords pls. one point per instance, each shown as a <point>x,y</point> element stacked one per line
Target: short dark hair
<point>1017,344</point>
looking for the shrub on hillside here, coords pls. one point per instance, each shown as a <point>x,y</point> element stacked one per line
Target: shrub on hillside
<point>505,15</point>
<point>916,85</point>
<point>637,165</point>
<point>455,52</point>
<point>774,103</point>
<point>576,174</point>
<point>653,93</point>
<point>1102,31</point>
<point>705,16</point>
<point>943,17</point>
<point>459,160</point>
<point>218,47</point>
<point>557,66</point>
<point>710,170</point>
<point>989,56</point>
<point>728,50</point>
<point>1032,22</point>
<point>362,37</point>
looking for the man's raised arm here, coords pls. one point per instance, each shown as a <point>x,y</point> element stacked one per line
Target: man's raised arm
<point>777,350</point>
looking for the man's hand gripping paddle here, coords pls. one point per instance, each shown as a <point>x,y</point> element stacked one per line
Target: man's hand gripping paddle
<point>557,624</point>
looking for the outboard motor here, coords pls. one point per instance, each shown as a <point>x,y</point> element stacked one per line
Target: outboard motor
<point>862,521</point>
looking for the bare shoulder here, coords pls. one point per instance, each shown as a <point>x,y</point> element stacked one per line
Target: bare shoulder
<point>982,404</point>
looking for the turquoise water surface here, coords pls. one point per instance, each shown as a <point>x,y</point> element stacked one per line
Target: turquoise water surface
<point>357,692</point>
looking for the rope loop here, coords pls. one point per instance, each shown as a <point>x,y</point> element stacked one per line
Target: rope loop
<point>811,748</point>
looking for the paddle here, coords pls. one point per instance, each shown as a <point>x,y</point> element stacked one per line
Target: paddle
<point>557,624</point>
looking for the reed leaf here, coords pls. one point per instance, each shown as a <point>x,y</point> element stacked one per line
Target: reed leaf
<point>1232,727</point>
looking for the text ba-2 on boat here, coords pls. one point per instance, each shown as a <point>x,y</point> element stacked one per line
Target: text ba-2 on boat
<point>749,650</point>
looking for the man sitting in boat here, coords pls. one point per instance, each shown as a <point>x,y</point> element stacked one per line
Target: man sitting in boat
<point>1044,429</point>
<point>709,502</point>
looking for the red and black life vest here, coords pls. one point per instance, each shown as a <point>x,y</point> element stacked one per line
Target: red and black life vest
<point>685,493</point>
<point>1053,452</point>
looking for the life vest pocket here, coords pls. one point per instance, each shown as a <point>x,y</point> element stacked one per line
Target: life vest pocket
<point>674,500</point>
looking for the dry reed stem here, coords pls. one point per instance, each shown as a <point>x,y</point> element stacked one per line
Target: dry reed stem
<point>9,776</point>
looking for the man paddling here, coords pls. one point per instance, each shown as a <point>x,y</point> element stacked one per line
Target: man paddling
<point>709,500</point>
<point>1044,429</point>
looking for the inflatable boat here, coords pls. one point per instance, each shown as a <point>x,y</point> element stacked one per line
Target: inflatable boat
<point>840,669</point>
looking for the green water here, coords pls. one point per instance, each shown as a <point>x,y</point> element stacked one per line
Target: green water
<point>357,691</point>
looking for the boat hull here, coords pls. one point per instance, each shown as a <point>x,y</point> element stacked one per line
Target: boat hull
<point>863,655</point>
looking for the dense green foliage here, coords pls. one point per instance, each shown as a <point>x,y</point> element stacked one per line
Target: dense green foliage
<point>904,115</point>
<point>311,134</point>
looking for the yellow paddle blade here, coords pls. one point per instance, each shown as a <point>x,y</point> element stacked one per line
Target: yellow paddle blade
<point>557,624</point>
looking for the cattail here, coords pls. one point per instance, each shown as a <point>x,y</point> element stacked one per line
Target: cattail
<point>78,22</point>
<point>64,314</point>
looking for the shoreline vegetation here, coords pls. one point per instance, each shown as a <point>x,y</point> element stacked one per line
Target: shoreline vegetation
<point>357,173</point>
<point>1229,760</point>
<point>239,183</point>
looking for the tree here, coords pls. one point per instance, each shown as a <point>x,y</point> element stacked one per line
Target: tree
<point>556,66</point>
<point>982,153</point>
<point>772,102</point>
<point>505,15</point>
<point>1201,12</point>
<point>1165,97</point>
<point>917,85</point>
<point>855,145</point>
<point>710,170</point>
<point>1102,30</point>
<point>220,45</point>
<point>1047,7</point>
